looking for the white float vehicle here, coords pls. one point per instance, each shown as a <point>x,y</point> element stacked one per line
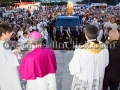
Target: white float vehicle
<point>98,5</point>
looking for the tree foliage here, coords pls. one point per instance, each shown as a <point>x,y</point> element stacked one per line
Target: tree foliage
<point>6,1</point>
<point>82,2</point>
<point>109,2</point>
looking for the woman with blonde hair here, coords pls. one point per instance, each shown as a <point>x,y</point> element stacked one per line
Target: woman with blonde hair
<point>111,24</point>
<point>113,21</point>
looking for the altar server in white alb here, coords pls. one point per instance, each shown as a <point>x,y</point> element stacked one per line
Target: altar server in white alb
<point>9,78</point>
<point>89,62</point>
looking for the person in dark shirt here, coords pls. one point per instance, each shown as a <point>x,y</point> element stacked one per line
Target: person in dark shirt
<point>83,39</point>
<point>14,38</point>
<point>112,72</point>
<point>53,37</point>
<point>68,38</point>
<point>76,35</point>
<point>13,41</point>
<point>60,36</point>
<point>53,33</point>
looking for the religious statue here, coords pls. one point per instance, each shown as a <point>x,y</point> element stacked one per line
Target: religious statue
<point>70,8</point>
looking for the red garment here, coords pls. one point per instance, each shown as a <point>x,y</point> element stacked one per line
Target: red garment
<point>38,63</point>
<point>87,15</point>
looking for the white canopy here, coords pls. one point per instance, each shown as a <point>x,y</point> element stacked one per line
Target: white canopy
<point>98,4</point>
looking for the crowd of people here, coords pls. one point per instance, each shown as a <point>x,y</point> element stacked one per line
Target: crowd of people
<point>43,21</point>
<point>94,66</point>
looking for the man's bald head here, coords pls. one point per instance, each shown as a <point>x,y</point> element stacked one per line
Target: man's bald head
<point>114,35</point>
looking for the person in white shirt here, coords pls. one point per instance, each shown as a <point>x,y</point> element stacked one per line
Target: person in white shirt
<point>45,34</point>
<point>112,23</point>
<point>82,12</point>
<point>41,25</point>
<point>38,26</point>
<point>83,20</point>
<point>24,41</point>
<point>44,22</point>
<point>101,32</point>
<point>20,32</point>
<point>9,77</point>
<point>95,22</point>
<point>32,27</point>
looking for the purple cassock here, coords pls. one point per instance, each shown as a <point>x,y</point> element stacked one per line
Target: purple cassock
<point>38,63</point>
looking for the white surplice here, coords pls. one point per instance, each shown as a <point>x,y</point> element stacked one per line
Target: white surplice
<point>46,83</point>
<point>9,77</point>
<point>88,69</point>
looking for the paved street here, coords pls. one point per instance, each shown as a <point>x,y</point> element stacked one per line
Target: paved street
<point>63,77</point>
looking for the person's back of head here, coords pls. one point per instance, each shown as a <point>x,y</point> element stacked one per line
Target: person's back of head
<point>113,35</point>
<point>91,32</point>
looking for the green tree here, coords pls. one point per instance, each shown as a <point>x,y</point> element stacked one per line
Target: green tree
<point>82,2</point>
<point>6,1</point>
<point>111,2</point>
<point>102,1</point>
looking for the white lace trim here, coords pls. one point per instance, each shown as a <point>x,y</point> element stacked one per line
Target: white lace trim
<point>86,85</point>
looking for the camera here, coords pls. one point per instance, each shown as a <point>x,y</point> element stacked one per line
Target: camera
<point>109,29</point>
<point>118,21</point>
<point>106,37</point>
